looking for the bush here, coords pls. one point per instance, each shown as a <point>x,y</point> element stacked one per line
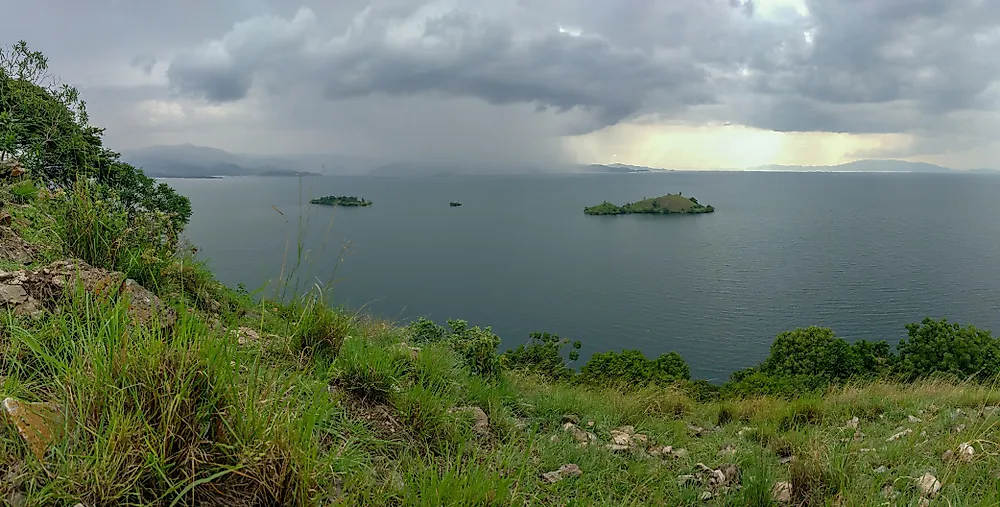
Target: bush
<point>477,346</point>
<point>936,346</point>
<point>542,355</point>
<point>630,368</point>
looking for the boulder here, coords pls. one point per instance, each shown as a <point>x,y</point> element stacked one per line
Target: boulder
<point>27,292</point>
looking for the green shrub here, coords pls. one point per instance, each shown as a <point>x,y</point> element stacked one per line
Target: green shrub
<point>477,346</point>
<point>937,346</point>
<point>542,355</point>
<point>630,368</point>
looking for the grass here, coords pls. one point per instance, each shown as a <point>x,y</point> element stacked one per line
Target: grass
<point>333,407</point>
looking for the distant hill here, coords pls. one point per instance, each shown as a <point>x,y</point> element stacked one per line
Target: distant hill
<point>887,165</point>
<point>616,168</point>
<point>192,161</point>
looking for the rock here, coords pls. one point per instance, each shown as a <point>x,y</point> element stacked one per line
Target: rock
<point>923,502</point>
<point>568,470</point>
<point>12,295</point>
<point>10,167</point>
<point>899,435</point>
<point>966,452</point>
<point>781,492</point>
<point>12,247</point>
<point>39,424</point>
<point>680,453</point>
<point>948,455</point>
<point>482,421</point>
<point>958,428</point>
<point>743,431</point>
<point>731,474</point>
<point>698,431</point>
<point>554,438</point>
<point>913,419</point>
<point>571,418</point>
<point>590,424</point>
<point>881,470</point>
<point>620,438</point>
<point>786,460</point>
<point>866,450</point>
<point>853,423</point>
<point>640,439</point>
<point>958,413</point>
<point>245,335</point>
<point>47,286</point>
<point>928,485</point>
<point>705,496</point>
<point>617,447</point>
<point>628,430</point>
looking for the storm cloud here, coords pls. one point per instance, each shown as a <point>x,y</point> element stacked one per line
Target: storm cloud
<point>513,76</point>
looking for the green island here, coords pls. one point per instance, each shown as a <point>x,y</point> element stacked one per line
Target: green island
<point>670,204</point>
<point>341,200</point>
<point>132,376</point>
<point>454,204</point>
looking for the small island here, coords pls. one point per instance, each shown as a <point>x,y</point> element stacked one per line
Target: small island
<point>454,204</point>
<point>341,200</point>
<point>670,204</point>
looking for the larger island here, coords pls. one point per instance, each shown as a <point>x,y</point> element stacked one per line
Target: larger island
<point>670,204</point>
<point>341,200</point>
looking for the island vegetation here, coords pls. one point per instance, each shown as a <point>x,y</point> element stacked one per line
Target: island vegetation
<point>131,376</point>
<point>670,204</point>
<point>454,204</point>
<point>341,200</point>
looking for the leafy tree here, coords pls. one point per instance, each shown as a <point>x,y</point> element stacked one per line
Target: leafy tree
<point>939,346</point>
<point>46,127</point>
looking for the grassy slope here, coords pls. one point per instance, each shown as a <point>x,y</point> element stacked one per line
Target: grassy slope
<point>309,405</point>
<point>671,202</point>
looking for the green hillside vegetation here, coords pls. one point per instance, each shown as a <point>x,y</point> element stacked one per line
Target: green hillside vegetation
<point>664,205</point>
<point>341,200</point>
<point>174,389</point>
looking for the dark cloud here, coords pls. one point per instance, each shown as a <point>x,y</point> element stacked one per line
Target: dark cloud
<point>512,71</point>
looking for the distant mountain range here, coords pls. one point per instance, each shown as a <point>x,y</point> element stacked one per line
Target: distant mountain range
<point>873,165</point>
<point>191,161</point>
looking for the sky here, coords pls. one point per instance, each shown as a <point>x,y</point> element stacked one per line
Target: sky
<point>692,84</point>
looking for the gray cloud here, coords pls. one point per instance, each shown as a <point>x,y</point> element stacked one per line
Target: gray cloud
<point>337,73</point>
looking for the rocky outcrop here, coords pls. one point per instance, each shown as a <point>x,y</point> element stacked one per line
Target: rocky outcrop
<point>28,292</point>
<point>13,248</point>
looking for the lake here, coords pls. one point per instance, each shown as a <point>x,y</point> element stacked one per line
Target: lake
<point>862,253</point>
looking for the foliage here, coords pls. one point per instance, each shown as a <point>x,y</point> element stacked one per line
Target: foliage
<point>939,346</point>
<point>341,200</point>
<point>664,205</point>
<point>104,235</point>
<point>542,355</point>
<point>46,128</point>
<point>477,346</point>
<point>631,369</point>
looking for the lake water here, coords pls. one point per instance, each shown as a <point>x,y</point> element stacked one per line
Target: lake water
<point>863,254</point>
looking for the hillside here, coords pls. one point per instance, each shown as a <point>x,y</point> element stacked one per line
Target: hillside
<point>664,205</point>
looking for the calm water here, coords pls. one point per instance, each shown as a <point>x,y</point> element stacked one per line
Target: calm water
<point>861,253</point>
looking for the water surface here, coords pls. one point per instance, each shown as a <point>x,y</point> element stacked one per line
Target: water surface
<point>863,254</point>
